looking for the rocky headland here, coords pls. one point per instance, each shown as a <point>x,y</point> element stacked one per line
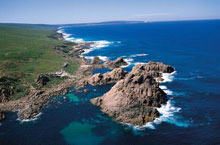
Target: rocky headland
<point>135,98</point>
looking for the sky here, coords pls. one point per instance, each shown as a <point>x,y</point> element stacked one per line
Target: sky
<point>84,11</point>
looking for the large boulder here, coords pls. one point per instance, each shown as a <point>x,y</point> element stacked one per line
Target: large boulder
<point>107,78</point>
<point>135,98</point>
<point>115,64</point>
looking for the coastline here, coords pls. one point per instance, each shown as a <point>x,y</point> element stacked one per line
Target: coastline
<point>85,69</point>
<point>29,106</point>
<point>39,97</point>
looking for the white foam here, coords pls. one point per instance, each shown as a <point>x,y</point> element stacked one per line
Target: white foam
<point>59,31</point>
<point>139,63</point>
<point>28,120</point>
<point>89,57</point>
<point>168,77</point>
<point>68,37</point>
<point>163,87</point>
<point>86,51</point>
<point>166,90</point>
<point>97,44</point>
<point>103,58</point>
<point>100,44</point>
<point>167,114</point>
<point>149,125</point>
<point>141,54</point>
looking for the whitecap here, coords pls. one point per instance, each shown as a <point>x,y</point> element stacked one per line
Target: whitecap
<point>139,63</point>
<point>166,90</point>
<point>168,112</point>
<point>59,31</point>
<point>103,58</point>
<point>89,57</point>
<point>163,87</point>
<point>141,54</point>
<point>101,44</point>
<point>86,51</point>
<point>168,77</point>
<point>149,125</point>
<point>96,45</point>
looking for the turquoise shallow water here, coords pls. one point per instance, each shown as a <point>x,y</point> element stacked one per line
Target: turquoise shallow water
<point>191,117</point>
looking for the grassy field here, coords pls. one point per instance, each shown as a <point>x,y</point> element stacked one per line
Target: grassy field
<point>26,51</point>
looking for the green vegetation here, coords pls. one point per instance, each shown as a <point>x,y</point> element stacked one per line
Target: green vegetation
<point>26,51</point>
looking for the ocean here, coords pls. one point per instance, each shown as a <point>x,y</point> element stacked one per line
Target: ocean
<point>190,117</point>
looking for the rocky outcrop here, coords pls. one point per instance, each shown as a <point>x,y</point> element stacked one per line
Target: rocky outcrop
<point>29,111</point>
<point>135,98</point>
<point>42,79</point>
<point>115,64</point>
<point>2,116</point>
<point>96,60</point>
<point>107,78</point>
<point>154,69</point>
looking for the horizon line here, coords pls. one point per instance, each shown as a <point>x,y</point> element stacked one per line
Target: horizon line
<point>111,21</point>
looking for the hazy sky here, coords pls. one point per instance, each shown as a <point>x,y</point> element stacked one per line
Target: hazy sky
<point>78,11</point>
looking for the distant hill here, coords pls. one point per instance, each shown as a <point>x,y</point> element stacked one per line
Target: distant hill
<point>104,23</point>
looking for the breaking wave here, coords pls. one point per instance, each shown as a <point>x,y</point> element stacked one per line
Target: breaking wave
<point>168,77</point>
<point>141,54</point>
<point>103,58</point>
<point>28,120</point>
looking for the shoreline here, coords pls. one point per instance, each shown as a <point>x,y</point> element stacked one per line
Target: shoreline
<point>42,96</point>
<point>39,97</point>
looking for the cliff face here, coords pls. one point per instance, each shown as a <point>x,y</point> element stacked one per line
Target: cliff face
<point>135,98</point>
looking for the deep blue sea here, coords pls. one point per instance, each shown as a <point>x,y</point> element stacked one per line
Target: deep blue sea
<point>191,116</point>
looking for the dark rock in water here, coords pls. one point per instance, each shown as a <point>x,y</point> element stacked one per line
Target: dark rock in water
<point>115,64</point>
<point>42,79</point>
<point>96,60</point>
<point>106,78</point>
<point>159,66</point>
<point>135,98</point>
<point>2,116</point>
<point>29,111</point>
